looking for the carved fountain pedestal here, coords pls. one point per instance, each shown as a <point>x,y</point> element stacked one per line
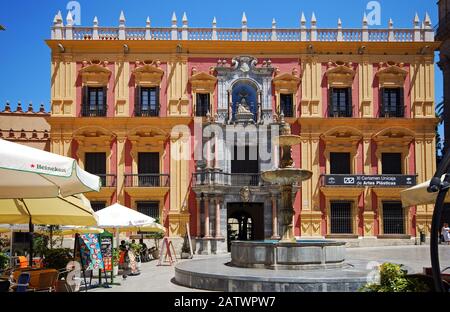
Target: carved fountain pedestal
<point>287,253</point>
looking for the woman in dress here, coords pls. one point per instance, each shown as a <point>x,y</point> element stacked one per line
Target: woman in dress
<point>445,232</point>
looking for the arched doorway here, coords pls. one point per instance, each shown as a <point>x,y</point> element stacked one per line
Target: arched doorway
<point>244,91</point>
<point>245,222</point>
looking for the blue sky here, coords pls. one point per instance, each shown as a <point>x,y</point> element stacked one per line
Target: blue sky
<point>25,58</point>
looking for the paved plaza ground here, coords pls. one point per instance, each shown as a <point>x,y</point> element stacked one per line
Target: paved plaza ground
<point>155,278</point>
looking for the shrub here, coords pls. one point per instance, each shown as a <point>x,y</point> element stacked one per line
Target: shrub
<point>394,278</point>
<point>57,258</point>
<point>4,261</point>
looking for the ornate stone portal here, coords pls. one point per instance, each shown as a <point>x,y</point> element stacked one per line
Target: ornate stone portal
<point>288,253</point>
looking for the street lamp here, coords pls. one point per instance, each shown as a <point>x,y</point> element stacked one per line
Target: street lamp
<point>442,188</point>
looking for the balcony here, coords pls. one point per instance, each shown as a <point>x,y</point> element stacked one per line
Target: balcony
<point>140,112</point>
<point>147,180</point>
<point>376,181</point>
<point>93,111</point>
<point>392,112</point>
<point>108,180</point>
<point>226,179</point>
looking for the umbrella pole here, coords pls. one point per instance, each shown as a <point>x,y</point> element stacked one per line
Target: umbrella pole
<point>117,238</point>
<point>11,263</point>
<point>31,242</point>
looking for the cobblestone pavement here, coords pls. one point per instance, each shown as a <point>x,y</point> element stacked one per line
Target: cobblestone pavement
<point>155,278</point>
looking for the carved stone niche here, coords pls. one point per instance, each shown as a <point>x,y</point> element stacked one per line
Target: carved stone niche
<point>341,75</point>
<point>148,75</point>
<point>392,76</point>
<point>95,74</point>
<point>203,82</point>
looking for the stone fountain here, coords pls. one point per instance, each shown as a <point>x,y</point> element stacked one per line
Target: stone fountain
<point>287,253</point>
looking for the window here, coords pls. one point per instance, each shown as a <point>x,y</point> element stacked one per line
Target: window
<point>340,163</point>
<point>341,218</point>
<point>95,163</point>
<point>202,104</point>
<point>393,221</point>
<point>391,163</point>
<point>392,102</point>
<point>149,208</point>
<point>340,102</point>
<point>287,105</point>
<point>147,102</point>
<point>98,205</point>
<point>94,102</point>
<point>148,169</point>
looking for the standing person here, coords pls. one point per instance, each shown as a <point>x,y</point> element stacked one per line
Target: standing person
<point>124,258</point>
<point>446,233</point>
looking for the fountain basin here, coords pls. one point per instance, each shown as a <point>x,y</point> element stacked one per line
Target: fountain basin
<point>286,176</point>
<point>276,255</point>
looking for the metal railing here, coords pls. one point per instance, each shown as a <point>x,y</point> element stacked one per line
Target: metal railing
<point>140,112</point>
<point>108,180</point>
<point>90,111</point>
<point>147,180</point>
<point>222,178</point>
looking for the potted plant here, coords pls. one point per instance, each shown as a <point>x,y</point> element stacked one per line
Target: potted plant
<point>57,258</point>
<point>185,249</point>
<point>155,250</point>
<point>115,261</point>
<point>4,261</point>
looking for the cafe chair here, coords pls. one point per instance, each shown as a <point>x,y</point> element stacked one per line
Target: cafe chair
<point>4,286</point>
<point>22,282</point>
<point>47,281</point>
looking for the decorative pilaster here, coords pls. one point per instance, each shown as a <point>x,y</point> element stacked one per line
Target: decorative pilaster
<point>218,219</point>
<point>121,139</point>
<point>207,229</point>
<point>274,218</point>
<point>198,201</point>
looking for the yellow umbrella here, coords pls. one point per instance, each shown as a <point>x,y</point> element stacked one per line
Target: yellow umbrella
<point>71,210</point>
<point>70,230</point>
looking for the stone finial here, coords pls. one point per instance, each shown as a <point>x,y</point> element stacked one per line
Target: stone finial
<point>391,23</point>
<point>214,31</point>
<point>184,19</point>
<point>303,20</point>
<point>174,19</point>
<point>416,20</point>
<point>19,107</point>
<point>69,19</point>
<point>7,107</point>
<point>274,23</point>
<point>365,21</point>
<point>427,20</point>
<point>41,108</point>
<point>147,22</point>
<point>122,18</point>
<point>313,19</point>
<point>30,107</point>
<point>95,21</point>
<point>244,19</point>
<point>55,19</point>
<point>59,18</point>
<point>34,134</point>
<point>214,22</point>
<point>23,134</point>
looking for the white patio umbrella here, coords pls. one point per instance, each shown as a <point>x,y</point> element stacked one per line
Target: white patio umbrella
<point>119,218</point>
<point>418,195</point>
<point>27,172</point>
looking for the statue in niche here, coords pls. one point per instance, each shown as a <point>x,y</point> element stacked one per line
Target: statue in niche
<point>243,108</point>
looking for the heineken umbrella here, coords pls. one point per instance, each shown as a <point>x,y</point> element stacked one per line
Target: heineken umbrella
<point>71,210</point>
<point>27,172</point>
<point>419,195</point>
<point>118,218</point>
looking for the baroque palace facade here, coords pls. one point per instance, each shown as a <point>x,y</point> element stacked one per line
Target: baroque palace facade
<point>135,105</point>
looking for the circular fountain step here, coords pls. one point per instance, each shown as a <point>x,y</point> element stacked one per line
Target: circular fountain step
<point>215,273</point>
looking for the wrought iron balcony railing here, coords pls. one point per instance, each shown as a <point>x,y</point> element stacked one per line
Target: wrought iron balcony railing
<point>108,180</point>
<point>141,112</point>
<point>93,111</point>
<point>230,179</point>
<point>147,180</point>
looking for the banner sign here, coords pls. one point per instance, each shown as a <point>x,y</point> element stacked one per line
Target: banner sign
<point>370,180</point>
<point>90,251</point>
